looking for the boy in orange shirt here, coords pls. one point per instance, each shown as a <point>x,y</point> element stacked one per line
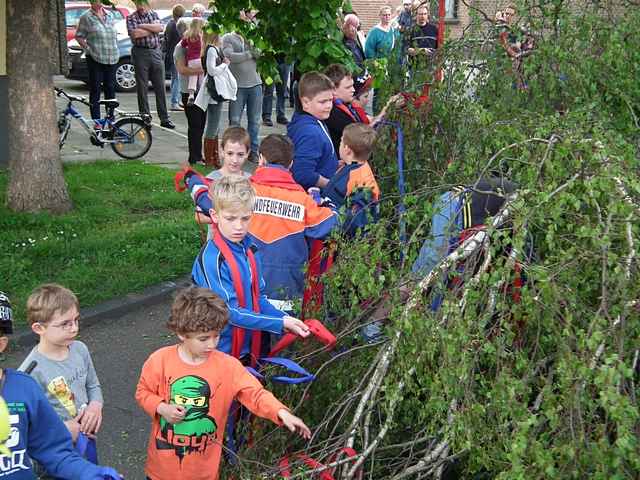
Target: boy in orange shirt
<point>187,389</point>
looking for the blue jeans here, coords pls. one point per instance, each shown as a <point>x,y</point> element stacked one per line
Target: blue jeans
<point>252,98</point>
<point>280,87</point>
<point>214,112</point>
<point>175,87</point>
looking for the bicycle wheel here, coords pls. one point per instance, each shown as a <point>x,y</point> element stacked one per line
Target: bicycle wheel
<point>63,129</point>
<point>131,138</point>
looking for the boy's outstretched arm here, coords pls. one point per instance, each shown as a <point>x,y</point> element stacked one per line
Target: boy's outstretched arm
<point>294,424</point>
<point>262,403</point>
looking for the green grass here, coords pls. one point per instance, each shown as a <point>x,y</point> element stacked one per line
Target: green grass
<point>129,230</point>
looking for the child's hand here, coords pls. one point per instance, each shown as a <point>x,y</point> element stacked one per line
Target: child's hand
<point>91,418</point>
<point>171,413</point>
<point>293,423</point>
<point>74,428</point>
<point>296,326</point>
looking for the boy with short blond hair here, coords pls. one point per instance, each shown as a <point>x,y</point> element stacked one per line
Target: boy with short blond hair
<point>64,368</point>
<point>228,265</point>
<point>188,388</point>
<point>315,157</point>
<point>280,233</point>
<point>37,433</point>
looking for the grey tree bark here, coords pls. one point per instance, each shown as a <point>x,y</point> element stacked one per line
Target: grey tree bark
<point>36,181</point>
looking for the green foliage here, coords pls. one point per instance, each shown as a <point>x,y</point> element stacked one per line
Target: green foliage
<point>129,230</point>
<point>541,388</point>
<point>302,31</point>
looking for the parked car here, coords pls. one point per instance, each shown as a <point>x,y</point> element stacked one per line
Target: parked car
<point>125,71</point>
<point>74,10</point>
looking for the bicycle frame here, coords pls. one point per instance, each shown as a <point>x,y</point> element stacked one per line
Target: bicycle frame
<point>70,110</point>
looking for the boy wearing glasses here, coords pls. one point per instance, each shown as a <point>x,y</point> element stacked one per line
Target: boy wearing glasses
<point>64,368</point>
<point>36,431</point>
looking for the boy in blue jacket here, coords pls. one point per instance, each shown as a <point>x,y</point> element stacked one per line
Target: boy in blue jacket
<point>315,159</point>
<point>229,266</point>
<point>285,220</point>
<point>36,430</point>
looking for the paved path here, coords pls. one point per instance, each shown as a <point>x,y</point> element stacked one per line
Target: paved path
<point>119,347</point>
<point>169,147</point>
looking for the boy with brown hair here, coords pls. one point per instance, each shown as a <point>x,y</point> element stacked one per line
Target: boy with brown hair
<point>355,185</point>
<point>315,160</point>
<point>188,388</point>
<point>64,368</point>
<point>235,146</point>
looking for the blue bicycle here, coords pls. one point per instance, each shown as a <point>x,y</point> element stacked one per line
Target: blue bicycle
<point>129,135</point>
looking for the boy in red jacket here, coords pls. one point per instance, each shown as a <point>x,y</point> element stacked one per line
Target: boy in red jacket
<point>187,389</point>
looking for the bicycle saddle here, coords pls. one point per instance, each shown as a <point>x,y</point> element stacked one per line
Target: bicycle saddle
<point>110,102</point>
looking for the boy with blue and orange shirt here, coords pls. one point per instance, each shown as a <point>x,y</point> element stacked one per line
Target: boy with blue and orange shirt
<point>355,184</point>
<point>230,266</point>
<point>285,219</point>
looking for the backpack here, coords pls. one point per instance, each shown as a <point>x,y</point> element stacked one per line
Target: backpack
<point>211,83</point>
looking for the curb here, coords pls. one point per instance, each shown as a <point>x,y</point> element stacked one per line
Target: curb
<point>112,308</point>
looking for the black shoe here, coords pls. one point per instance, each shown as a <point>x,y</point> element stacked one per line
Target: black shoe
<point>267,122</point>
<point>253,158</point>
<point>167,124</point>
<point>283,121</point>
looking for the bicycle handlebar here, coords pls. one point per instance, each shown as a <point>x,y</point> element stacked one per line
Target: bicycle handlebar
<point>61,93</point>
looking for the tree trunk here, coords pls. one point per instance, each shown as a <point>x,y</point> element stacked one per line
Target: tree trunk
<point>36,182</point>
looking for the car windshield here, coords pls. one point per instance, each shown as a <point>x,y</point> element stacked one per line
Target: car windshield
<point>73,15</point>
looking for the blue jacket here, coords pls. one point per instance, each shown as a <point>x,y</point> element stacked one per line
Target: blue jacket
<point>284,218</point>
<point>37,432</point>
<point>211,271</point>
<point>314,154</point>
<point>446,223</point>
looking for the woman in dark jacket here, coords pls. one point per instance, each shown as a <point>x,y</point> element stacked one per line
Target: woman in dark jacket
<point>171,39</point>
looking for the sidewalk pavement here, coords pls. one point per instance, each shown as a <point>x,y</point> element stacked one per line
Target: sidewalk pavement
<point>169,147</point>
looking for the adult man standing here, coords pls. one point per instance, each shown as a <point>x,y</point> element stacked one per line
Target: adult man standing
<point>171,39</point>
<point>424,35</point>
<point>96,34</point>
<point>144,28</point>
<point>380,43</point>
<point>405,19</point>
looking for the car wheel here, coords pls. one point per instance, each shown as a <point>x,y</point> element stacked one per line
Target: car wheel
<point>125,76</point>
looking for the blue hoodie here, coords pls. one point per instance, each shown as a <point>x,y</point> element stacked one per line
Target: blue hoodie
<point>37,432</point>
<point>210,270</point>
<point>313,154</point>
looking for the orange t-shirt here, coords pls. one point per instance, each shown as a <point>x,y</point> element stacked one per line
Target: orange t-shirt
<point>191,449</point>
